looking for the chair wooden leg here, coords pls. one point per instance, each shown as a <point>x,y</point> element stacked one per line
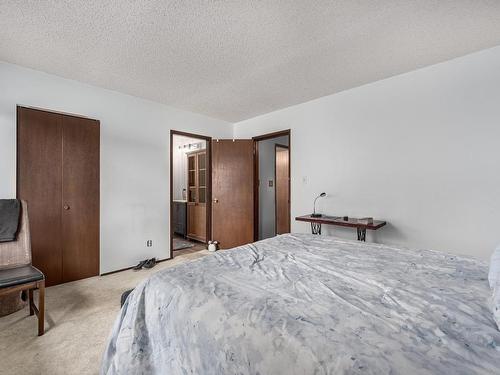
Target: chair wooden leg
<point>30,299</point>
<point>41,308</point>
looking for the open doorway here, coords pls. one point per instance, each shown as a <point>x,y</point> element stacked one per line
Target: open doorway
<point>282,188</point>
<point>272,185</point>
<point>190,185</point>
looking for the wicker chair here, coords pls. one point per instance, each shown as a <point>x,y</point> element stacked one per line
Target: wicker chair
<point>18,275</point>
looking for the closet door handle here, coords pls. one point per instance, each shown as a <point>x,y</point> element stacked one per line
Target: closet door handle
<point>66,207</point>
<point>216,200</point>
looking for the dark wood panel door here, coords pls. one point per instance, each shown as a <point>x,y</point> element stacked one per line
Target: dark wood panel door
<point>232,192</point>
<point>80,198</point>
<point>58,175</point>
<point>39,182</point>
<point>282,189</point>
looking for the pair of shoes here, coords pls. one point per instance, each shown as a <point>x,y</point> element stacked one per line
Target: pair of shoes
<point>150,263</point>
<point>140,265</point>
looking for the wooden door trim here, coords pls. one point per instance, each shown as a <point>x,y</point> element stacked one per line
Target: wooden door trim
<point>271,135</point>
<point>256,141</point>
<point>208,212</point>
<point>18,109</point>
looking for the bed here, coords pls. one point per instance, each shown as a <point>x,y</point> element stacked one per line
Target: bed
<point>304,304</point>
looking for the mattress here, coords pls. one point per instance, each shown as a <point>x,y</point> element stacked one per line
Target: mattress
<point>305,304</point>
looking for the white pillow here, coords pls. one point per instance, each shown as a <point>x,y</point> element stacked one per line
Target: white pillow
<point>494,280</point>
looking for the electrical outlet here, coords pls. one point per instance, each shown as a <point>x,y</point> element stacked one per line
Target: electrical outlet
<point>149,243</point>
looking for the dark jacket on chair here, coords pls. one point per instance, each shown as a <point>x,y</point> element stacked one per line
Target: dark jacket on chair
<point>10,210</point>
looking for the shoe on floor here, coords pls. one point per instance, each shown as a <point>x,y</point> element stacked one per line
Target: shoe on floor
<point>140,265</point>
<point>125,296</point>
<point>150,263</point>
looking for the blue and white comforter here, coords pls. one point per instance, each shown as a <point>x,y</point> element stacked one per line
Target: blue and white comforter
<point>303,304</point>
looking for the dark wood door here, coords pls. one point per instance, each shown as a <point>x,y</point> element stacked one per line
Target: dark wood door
<point>58,175</point>
<point>80,198</point>
<point>282,190</point>
<point>39,182</point>
<point>232,192</point>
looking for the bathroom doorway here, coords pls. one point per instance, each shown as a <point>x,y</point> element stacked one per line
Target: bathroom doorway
<point>190,189</point>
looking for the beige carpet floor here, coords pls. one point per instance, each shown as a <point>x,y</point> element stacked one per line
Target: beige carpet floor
<point>79,318</point>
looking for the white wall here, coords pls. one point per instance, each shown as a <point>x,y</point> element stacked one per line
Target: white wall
<point>135,136</point>
<point>421,150</point>
<point>267,167</point>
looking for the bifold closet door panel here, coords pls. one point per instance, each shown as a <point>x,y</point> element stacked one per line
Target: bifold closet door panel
<point>39,182</point>
<point>80,198</point>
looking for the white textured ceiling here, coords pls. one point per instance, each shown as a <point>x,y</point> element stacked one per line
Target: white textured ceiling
<point>237,59</point>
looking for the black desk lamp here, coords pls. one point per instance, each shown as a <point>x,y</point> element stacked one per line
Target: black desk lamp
<point>314,214</point>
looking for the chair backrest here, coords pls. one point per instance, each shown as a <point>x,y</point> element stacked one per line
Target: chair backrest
<point>18,253</point>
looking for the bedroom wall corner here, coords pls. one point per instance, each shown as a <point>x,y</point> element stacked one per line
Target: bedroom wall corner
<point>419,150</point>
<point>135,141</point>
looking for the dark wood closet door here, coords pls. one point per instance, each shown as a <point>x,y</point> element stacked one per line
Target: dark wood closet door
<point>39,182</point>
<point>80,198</point>
<point>58,175</point>
<point>232,192</point>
